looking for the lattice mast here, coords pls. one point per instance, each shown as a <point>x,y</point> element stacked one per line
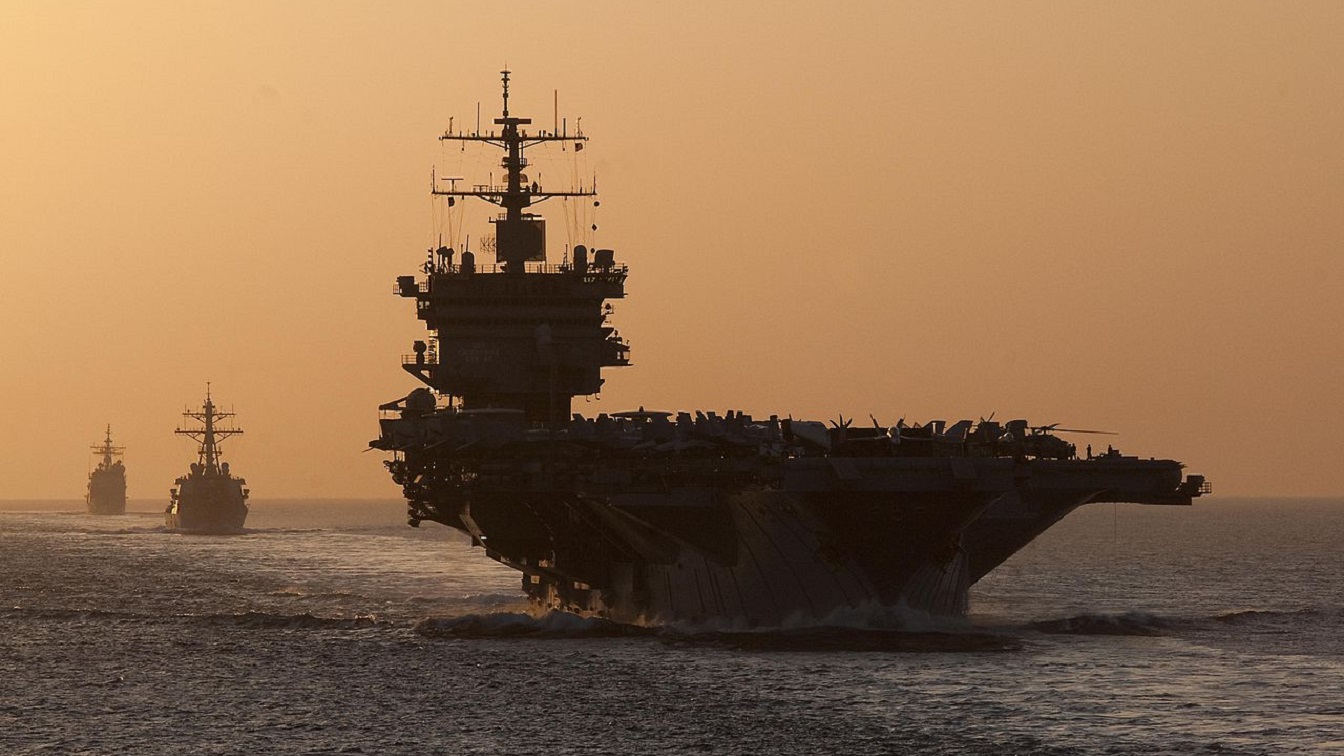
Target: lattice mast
<point>518,233</point>
<point>210,433</point>
<point>108,451</point>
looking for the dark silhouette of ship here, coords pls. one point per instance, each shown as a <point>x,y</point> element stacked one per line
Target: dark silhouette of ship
<point>209,499</point>
<point>107,482</point>
<point>656,517</point>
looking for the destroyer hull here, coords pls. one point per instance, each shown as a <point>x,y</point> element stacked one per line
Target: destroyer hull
<point>828,541</point>
<point>210,519</point>
<point>210,504</point>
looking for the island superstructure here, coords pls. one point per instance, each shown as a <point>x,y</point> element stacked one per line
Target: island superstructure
<point>658,517</point>
<point>107,482</point>
<point>209,499</point>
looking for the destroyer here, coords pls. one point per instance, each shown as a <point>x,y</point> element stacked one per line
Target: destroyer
<point>656,517</point>
<point>107,482</point>
<point>209,499</point>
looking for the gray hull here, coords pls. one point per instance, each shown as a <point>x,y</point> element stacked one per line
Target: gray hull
<point>107,492</point>
<point>212,504</point>
<point>212,520</point>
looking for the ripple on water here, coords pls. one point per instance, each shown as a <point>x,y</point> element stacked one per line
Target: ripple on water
<point>304,638</point>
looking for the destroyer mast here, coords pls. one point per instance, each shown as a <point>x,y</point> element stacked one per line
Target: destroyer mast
<point>208,435</point>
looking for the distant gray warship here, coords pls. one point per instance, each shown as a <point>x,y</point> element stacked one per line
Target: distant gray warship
<point>209,499</point>
<point>659,517</point>
<point>107,482</point>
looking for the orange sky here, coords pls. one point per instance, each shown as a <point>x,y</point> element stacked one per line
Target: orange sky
<point>1112,215</point>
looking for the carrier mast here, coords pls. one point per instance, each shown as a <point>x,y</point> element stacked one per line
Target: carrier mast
<point>523,334</point>
<point>518,234</point>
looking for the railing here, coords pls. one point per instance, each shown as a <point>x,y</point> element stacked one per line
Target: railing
<point>618,269</point>
<point>420,286</point>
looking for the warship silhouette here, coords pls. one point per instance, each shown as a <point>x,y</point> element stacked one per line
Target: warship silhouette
<point>692,517</point>
<point>209,499</point>
<point>107,482</point>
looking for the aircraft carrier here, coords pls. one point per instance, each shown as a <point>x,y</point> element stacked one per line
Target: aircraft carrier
<point>698,517</point>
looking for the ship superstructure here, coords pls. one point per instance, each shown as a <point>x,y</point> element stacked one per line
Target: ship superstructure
<point>656,517</point>
<point>209,499</point>
<point>518,332</point>
<point>107,482</point>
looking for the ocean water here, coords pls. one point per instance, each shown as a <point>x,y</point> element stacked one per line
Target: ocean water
<point>331,627</point>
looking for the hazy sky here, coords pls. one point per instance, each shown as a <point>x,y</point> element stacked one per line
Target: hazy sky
<point>1127,216</point>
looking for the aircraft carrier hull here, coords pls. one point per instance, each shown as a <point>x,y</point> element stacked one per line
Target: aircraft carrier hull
<point>814,540</point>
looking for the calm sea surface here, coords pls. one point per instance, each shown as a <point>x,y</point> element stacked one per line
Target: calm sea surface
<point>331,627</point>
